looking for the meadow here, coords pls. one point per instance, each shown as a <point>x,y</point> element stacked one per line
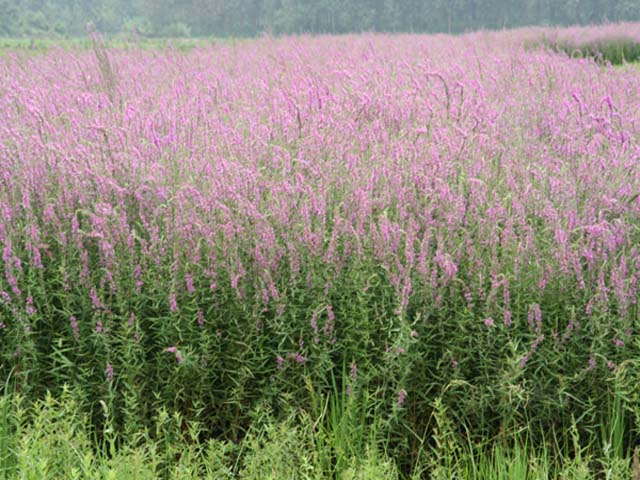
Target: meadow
<point>360,256</point>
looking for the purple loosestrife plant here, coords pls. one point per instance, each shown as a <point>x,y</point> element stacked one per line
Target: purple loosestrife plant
<point>336,194</point>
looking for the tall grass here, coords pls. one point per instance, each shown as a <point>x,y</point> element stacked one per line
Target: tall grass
<point>49,440</point>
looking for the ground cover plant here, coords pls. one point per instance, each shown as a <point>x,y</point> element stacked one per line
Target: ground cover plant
<point>417,255</point>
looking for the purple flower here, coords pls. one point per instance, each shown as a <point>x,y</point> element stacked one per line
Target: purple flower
<point>173,303</point>
<point>535,317</point>
<point>95,301</point>
<point>177,353</point>
<point>536,344</point>
<point>297,357</point>
<point>328,327</point>
<point>354,371</point>
<point>30,309</point>
<point>6,298</point>
<point>74,326</point>
<point>488,322</point>
<point>279,362</point>
<point>314,323</point>
<point>188,278</point>
<point>592,362</point>
<point>402,395</point>
<point>108,371</point>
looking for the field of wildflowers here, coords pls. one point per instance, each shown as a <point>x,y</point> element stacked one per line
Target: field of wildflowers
<point>436,237</point>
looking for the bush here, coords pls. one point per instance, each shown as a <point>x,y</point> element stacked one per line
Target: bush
<point>614,51</point>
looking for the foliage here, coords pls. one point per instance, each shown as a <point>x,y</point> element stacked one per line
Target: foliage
<point>48,439</point>
<point>615,51</point>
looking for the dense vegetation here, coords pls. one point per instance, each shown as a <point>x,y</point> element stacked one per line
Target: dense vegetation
<point>406,250</point>
<point>614,51</point>
<point>52,439</point>
<point>251,17</point>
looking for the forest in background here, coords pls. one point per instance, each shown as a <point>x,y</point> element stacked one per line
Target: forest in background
<point>241,18</point>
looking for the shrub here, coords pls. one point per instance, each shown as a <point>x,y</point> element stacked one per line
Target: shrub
<point>612,50</point>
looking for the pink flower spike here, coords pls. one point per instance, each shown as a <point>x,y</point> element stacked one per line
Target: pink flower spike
<point>108,371</point>
<point>592,363</point>
<point>354,371</point>
<point>177,353</point>
<point>74,326</point>
<point>173,303</point>
<point>402,396</point>
<point>189,281</point>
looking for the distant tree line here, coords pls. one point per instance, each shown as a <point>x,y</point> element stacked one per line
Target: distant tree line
<point>187,18</point>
